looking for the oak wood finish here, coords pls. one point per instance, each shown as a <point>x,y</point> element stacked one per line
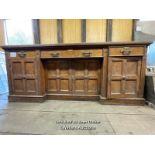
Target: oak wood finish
<point>110,72</point>
<point>99,25</point>
<point>72,53</point>
<point>122,29</point>
<point>71,29</point>
<point>48,31</point>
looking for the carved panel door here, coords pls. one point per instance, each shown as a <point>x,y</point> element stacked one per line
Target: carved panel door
<point>124,76</point>
<point>30,76</point>
<point>58,76</point>
<point>23,77</point>
<point>17,73</point>
<point>78,76</point>
<point>86,77</point>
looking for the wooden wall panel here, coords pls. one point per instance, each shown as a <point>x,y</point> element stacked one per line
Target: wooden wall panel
<point>95,30</point>
<point>71,29</point>
<point>48,31</point>
<point>122,29</point>
<point>2,36</point>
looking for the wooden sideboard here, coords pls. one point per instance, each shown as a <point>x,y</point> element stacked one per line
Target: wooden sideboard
<point>110,72</point>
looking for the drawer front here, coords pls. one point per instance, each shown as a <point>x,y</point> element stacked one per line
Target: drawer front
<point>72,53</point>
<point>126,51</point>
<point>22,54</point>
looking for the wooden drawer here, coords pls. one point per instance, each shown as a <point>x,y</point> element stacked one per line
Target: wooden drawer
<point>72,53</point>
<point>22,54</point>
<point>126,51</point>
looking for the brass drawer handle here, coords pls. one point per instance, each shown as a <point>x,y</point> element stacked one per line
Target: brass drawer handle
<point>87,54</point>
<point>126,51</point>
<point>55,54</point>
<point>22,54</point>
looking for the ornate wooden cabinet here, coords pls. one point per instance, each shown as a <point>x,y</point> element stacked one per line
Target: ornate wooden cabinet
<point>109,72</point>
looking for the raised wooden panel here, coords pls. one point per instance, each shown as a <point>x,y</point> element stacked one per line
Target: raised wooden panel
<point>52,85</point>
<point>30,85</point>
<point>64,85</point>
<point>17,73</point>
<point>30,68</point>
<point>79,86</point>
<point>131,87</point>
<point>64,68</point>
<point>79,68</point>
<point>117,69</point>
<point>71,30</point>
<point>51,74</point>
<point>132,68</point>
<point>48,31</point>
<point>64,76</point>
<point>93,67</point>
<point>92,86</point>
<point>122,29</point>
<point>51,68</point>
<point>17,68</point>
<point>116,87</point>
<point>18,86</point>
<point>95,30</point>
<point>30,77</point>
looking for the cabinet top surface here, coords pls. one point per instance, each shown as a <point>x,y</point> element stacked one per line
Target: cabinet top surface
<point>71,45</point>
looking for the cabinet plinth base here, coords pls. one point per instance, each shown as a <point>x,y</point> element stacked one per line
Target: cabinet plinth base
<point>17,98</point>
<point>102,100</point>
<point>134,101</point>
<point>73,97</point>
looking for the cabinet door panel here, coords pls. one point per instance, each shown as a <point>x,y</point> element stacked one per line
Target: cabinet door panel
<point>64,76</point>
<point>132,74</point>
<point>18,85</point>
<point>93,76</point>
<point>116,87</point>
<point>92,86</point>
<point>17,68</point>
<point>58,76</point>
<point>124,75</point>
<point>51,74</point>
<point>17,80</point>
<point>30,68</point>
<point>115,83</point>
<point>64,85</point>
<point>79,86</point>
<point>52,85</point>
<point>131,87</point>
<point>92,67</point>
<point>117,69</point>
<point>86,76</point>
<point>30,76</point>
<point>78,74</point>
<point>30,85</point>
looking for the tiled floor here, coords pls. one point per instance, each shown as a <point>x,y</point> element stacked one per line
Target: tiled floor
<point>74,117</point>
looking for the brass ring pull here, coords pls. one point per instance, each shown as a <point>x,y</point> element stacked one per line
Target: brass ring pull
<point>22,54</point>
<point>126,51</point>
<point>55,54</point>
<point>87,54</point>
